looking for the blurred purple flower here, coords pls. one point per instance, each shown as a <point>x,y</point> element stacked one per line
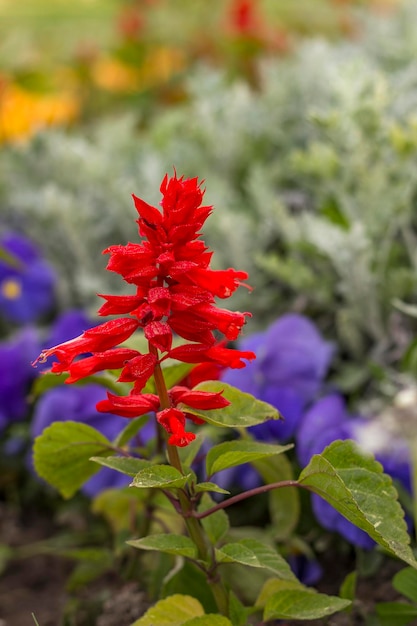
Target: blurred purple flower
<point>68,325</point>
<point>292,360</point>
<point>27,287</point>
<point>16,374</point>
<point>307,570</point>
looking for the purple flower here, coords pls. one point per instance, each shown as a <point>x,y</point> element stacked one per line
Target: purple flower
<point>292,361</point>
<point>308,570</point>
<point>326,421</point>
<point>333,521</point>
<point>27,285</point>
<point>16,375</point>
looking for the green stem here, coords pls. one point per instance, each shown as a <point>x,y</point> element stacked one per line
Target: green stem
<point>194,527</point>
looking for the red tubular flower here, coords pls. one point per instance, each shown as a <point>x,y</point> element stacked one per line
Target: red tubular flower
<point>132,405</point>
<point>173,420</point>
<point>204,400</point>
<point>175,292</point>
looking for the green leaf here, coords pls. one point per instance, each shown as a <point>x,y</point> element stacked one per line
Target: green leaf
<point>188,580</point>
<point>62,455</point>
<point>209,620</point>
<point>348,586</point>
<point>208,486</point>
<point>46,382</point>
<point>172,611</point>
<point>253,553</point>
<point>405,582</point>
<point>244,410</point>
<point>159,476</point>
<point>303,604</point>
<point>129,431</point>
<point>237,611</point>
<point>174,374</point>
<point>123,464</point>
<point>354,484</point>
<point>6,554</point>
<point>170,544</point>
<point>188,453</point>
<point>284,504</point>
<point>217,524</point>
<point>395,613</point>
<point>233,453</point>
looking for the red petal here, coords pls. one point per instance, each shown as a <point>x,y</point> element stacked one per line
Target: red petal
<point>129,406</point>
<point>110,359</point>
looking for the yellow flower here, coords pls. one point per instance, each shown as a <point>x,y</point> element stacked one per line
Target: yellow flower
<point>23,112</point>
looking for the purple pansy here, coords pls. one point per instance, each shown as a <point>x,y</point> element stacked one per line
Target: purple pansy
<point>27,284</point>
<point>292,360</point>
<point>16,374</point>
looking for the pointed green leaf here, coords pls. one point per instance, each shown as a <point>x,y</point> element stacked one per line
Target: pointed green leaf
<point>355,485</point>
<point>207,486</point>
<point>238,612</point>
<point>124,464</point>
<point>217,524</point>
<point>159,476</point>
<point>62,455</point>
<point>302,604</point>
<point>172,611</point>
<point>396,613</point>
<point>188,453</point>
<point>170,544</point>
<point>244,410</point>
<point>348,586</point>
<point>233,453</point>
<point>405,582</point>
<point>174,374</point>
<point>189,580</point>
<point>255,554</point>
<point>208,620</point>
<point>129,431</point>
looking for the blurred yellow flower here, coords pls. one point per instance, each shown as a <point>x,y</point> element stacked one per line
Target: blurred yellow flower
<point>24,112</point>
<point>158,66</point>
<point>113,75</point>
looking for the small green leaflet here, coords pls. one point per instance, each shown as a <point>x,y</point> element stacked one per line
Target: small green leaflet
<point>178,545</point>
<point>233,453</point>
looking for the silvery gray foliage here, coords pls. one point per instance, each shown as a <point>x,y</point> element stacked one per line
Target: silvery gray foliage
<point>313,176</point>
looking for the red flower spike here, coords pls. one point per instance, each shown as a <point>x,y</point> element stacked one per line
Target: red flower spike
<point>175,292</point>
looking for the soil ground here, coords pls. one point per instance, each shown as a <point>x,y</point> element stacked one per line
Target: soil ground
<point>36,585</point>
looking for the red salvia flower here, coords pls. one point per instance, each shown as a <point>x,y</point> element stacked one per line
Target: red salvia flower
<point>175,294</point>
